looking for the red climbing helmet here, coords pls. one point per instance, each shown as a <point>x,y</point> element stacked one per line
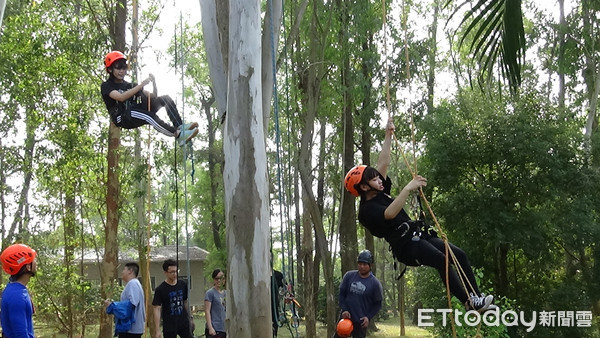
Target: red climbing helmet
<point>113,56</point>
<point>344,328</point>
<point>353,177</point>
<point>15,257</point>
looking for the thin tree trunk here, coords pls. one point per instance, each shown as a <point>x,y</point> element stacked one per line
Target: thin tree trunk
<point>110,260</point>
<point>212,165</point>
<point>348,238</point>
<point>431,57</point>
<point>108,270</point>
<point>561,54</point>
<point>70,225</point>
<point>308,262</point>
<point>27,169</point>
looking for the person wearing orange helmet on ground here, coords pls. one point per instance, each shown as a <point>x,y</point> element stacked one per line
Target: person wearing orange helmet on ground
<point>361,296</point>
<point>384,217</point>
<point>16,315</point>
<point>127,103</point>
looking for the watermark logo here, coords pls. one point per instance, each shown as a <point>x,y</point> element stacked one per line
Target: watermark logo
<point>507,318</point>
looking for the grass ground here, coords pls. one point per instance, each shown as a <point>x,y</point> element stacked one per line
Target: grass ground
<point>387,329</point>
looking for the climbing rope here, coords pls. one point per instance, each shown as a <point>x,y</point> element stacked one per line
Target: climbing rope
<point>281,317</point>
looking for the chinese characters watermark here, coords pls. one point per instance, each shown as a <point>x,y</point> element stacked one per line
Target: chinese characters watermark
<point>508,318</point>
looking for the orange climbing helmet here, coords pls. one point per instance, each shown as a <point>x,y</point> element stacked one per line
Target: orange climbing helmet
<point>345,328</point>
<point>113,56</point>
<point>354,177</point>
<point>15,257</point>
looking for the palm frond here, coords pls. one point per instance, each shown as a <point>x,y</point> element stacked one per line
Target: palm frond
<point>496,27</point>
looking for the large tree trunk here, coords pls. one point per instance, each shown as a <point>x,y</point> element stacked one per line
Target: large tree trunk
<point>245,176</point>
<point>108,269</point>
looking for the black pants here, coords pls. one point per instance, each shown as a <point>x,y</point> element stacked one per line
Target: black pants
<point>183,333</point>
<point>139,115</point>
<point>219,334</point>
<point>432,252</point>
<point>130,335</point>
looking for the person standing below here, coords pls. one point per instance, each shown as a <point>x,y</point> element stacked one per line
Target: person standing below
<point>361,295</point>
<point>130,311</point>
<point>214,306</point>
<point>170,303</point>
<point>130,106</point>
<point>16,315</point>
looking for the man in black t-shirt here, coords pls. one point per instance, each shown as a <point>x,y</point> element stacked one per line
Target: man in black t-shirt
<point>170,303</point>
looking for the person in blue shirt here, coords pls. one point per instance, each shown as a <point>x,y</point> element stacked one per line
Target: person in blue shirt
<point>130,311</point>
<point>16,314</point>
<point>361,295</point>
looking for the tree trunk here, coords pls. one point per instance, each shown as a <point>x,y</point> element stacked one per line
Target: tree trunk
<point>269,43</point>
<point>214,24</point>
<point>501,269</point>
<point>108,269</point>
<point>212,166</point>
<point>348,238</point>
<point>2,6</point>
<point>246,180</point>
<point>28,158</point>
<point>561,54</point>
<point>591,73</point>
<point>431,57</point>
<point>310,86</point>
<point>308,262</point>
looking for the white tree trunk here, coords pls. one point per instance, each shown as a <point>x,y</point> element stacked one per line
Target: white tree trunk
<point>212,44</point>
<point>2,6</point>
<point>270,44</point>
<point>245,176</point>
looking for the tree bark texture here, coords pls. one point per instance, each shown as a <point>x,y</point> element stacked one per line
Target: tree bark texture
<point>108,269</point>
<point>246,180</point>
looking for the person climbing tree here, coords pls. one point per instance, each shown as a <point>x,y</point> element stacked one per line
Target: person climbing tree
<point>130,106</point>
<point>385,217</point>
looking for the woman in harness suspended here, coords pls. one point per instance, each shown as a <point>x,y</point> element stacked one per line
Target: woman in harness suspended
<point>127,103</point>
<point>384,217</point>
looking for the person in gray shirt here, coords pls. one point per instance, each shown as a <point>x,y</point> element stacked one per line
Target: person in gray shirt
<point>130,311</point>
<point>214,306</point>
